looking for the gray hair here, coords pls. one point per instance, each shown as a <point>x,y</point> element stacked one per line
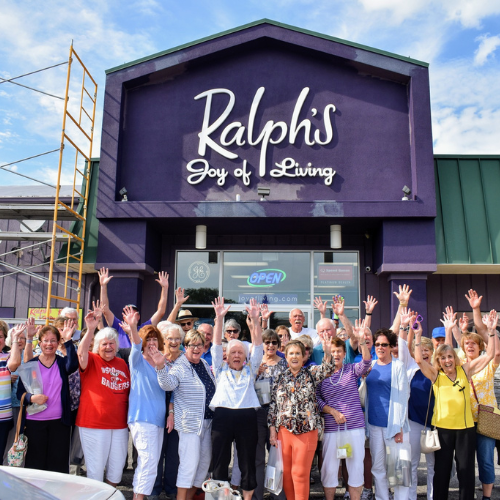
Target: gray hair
<point>69,310</point>
<point>166,326</point>
<point>236,342</point>
<point>232,323</point>
<point>105,333</point>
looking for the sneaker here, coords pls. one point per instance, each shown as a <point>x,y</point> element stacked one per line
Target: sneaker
<point>367,494</point>
<point>347,495</point>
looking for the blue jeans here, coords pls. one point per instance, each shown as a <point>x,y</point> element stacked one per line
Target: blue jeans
<point>485,448</point>
<point>166,476</point>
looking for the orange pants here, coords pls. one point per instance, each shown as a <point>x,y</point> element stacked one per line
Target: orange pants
<point>298,454</point>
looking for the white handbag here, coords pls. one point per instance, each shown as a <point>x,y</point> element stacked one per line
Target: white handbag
<point>429,439</point>
<point>219,490</point>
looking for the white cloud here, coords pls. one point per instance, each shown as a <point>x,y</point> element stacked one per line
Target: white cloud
<point>487,46</point>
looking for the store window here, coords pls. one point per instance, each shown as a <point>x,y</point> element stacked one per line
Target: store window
<point>283,280</point>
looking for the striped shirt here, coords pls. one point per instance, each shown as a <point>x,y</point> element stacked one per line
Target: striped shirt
<point>340,391</point>
<point>5,389</point>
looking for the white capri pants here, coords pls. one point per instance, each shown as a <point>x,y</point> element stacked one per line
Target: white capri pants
<point>104,448</point>
<point>377,448</point>
<point>195,453</point>
<point>148,440</point>
<point>415,429</point>
<point>330,467</point>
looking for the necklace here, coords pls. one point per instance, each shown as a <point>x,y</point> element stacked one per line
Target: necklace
<point>336,383</point>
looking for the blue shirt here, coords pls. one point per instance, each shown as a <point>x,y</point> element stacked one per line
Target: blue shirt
<point>420,387</point>
<point>354,356</point>
<point>378,390</point>
<point>147,399</point>
<point>207,356</point>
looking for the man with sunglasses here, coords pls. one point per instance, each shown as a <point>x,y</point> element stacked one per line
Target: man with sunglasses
<point>186,320</point>
<point>114,322</point>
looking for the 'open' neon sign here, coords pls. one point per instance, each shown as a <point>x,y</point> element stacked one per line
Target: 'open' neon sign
<point>266,277</point>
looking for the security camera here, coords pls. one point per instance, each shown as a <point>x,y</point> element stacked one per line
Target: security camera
<point>123,193</point>
<point>263,192</point>
<point>368,269</point>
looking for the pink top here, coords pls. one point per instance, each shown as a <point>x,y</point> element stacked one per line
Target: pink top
<point>52,387</point>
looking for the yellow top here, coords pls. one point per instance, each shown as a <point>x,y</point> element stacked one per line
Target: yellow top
<point>484,385</point>
<point>452,407</point>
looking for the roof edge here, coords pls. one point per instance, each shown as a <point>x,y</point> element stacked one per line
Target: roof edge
<point>467,156</point>
<point>274,23</point>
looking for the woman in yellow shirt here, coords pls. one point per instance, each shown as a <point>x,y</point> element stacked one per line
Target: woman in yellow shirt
<point>452,409</point>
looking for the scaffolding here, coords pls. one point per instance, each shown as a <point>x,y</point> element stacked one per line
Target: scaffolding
<point>83,175</point>
<point>77,134</point>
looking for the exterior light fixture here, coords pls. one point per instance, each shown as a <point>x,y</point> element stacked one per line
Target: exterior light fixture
<point>407,192</point>
<point>123,193</point>
<point>201,237</point>
<point>263,192</point>
<point>335,236</point>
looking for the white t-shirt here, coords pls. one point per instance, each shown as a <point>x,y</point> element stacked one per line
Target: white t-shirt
<point>307,331</point>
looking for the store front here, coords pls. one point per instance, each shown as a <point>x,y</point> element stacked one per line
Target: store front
<point>268,136</point>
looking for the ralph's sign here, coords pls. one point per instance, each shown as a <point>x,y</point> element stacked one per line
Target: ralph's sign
<point>218,134</point>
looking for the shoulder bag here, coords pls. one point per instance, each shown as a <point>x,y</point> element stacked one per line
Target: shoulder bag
<point>488,421</point>
<point>17,452</point>
<point>429,439</point>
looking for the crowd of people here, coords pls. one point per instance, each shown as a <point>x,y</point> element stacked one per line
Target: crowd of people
<point>194,397</point>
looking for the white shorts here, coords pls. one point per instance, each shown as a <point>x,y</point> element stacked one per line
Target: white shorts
<point>330,467</point>
<point>195,453</point>
<point>104,448</point>
<point>148,440</point>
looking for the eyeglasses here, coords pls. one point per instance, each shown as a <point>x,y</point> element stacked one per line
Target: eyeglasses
<point>273,342</point>
<point>384,345</point>
<point>232,332</point>
<point>53,341</point>
<point>173,341</point>
<point>187,323</point>
<point>194,346</point>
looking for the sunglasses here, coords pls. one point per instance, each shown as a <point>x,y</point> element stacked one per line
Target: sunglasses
<point>232,332</point>
<point>187,323</point>
<point>384,345</point>
<point>273,342</point>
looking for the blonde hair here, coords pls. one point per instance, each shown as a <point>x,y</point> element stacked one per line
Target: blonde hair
<point>440,352</point>
<point>472,336</point>
<point>194,334</point>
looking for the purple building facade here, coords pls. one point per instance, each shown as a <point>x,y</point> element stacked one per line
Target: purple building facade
<point>331,132</point>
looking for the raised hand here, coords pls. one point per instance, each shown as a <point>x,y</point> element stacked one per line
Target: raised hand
<point>17,331</point>
<point>491,320</point>
<point>130,316</point>
<point>463,323</point>
<point>474,299</point>
<point>68,329</point>
<point>359,329</point>
<point>370,303</point>
<point>405,316</point>
<point>91,321</point>
<point>265,312</point>
<point>403,295</point>
<point>98,308</point>
<point>162,279</point>
<point>449,318</point>
<point>320,305</point>
<point>326,343</point>
<point>338,305</point>
<point>30,328</point>
<point>157,357</point>
<point>220,310</point>
<point>253,310</point>
<point>104,277</point>
<point>417,331</point>
<point>180,296</point>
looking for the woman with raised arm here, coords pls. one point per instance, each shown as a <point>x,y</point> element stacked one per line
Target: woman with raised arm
<point>191,379</point>
<point>48,431</point>
<point>147,406</point>
<point>338,399</point>
<point>421,402</point>
<point>294,416</point>
<point>452,409</point>
<point>235,400</point>
<point>482,392</point>
<point>102,414</point>
<point>386,410</point>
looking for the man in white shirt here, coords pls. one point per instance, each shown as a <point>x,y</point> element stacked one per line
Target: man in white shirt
<point>297,319</point>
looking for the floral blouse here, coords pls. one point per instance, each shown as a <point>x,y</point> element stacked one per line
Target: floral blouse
<point>274,371</point>
<point>293,399</point>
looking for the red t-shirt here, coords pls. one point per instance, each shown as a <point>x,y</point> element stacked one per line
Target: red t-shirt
<point>104,397</point>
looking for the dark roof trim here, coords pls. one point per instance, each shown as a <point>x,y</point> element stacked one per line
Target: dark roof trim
<point>274,23</point>
<point>467,157</point>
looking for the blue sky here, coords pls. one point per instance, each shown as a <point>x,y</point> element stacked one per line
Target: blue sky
<point>460,39</point>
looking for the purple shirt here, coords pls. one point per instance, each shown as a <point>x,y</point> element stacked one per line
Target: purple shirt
<point>52,388</point>
<point>123,340</point>
<point>340,391</point>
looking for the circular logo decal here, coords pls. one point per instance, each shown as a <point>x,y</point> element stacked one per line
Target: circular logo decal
<point>198,272</point>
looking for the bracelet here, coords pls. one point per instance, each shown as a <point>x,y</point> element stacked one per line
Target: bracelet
<point>401,327</point>
<point>171,411</point>
<point>362,343</point>
<point>368,314</point>
<point>407,329</point>
<point>418,343</point>
<point>29,341</point>
<point>491,335</point>
<point>404,304</point>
